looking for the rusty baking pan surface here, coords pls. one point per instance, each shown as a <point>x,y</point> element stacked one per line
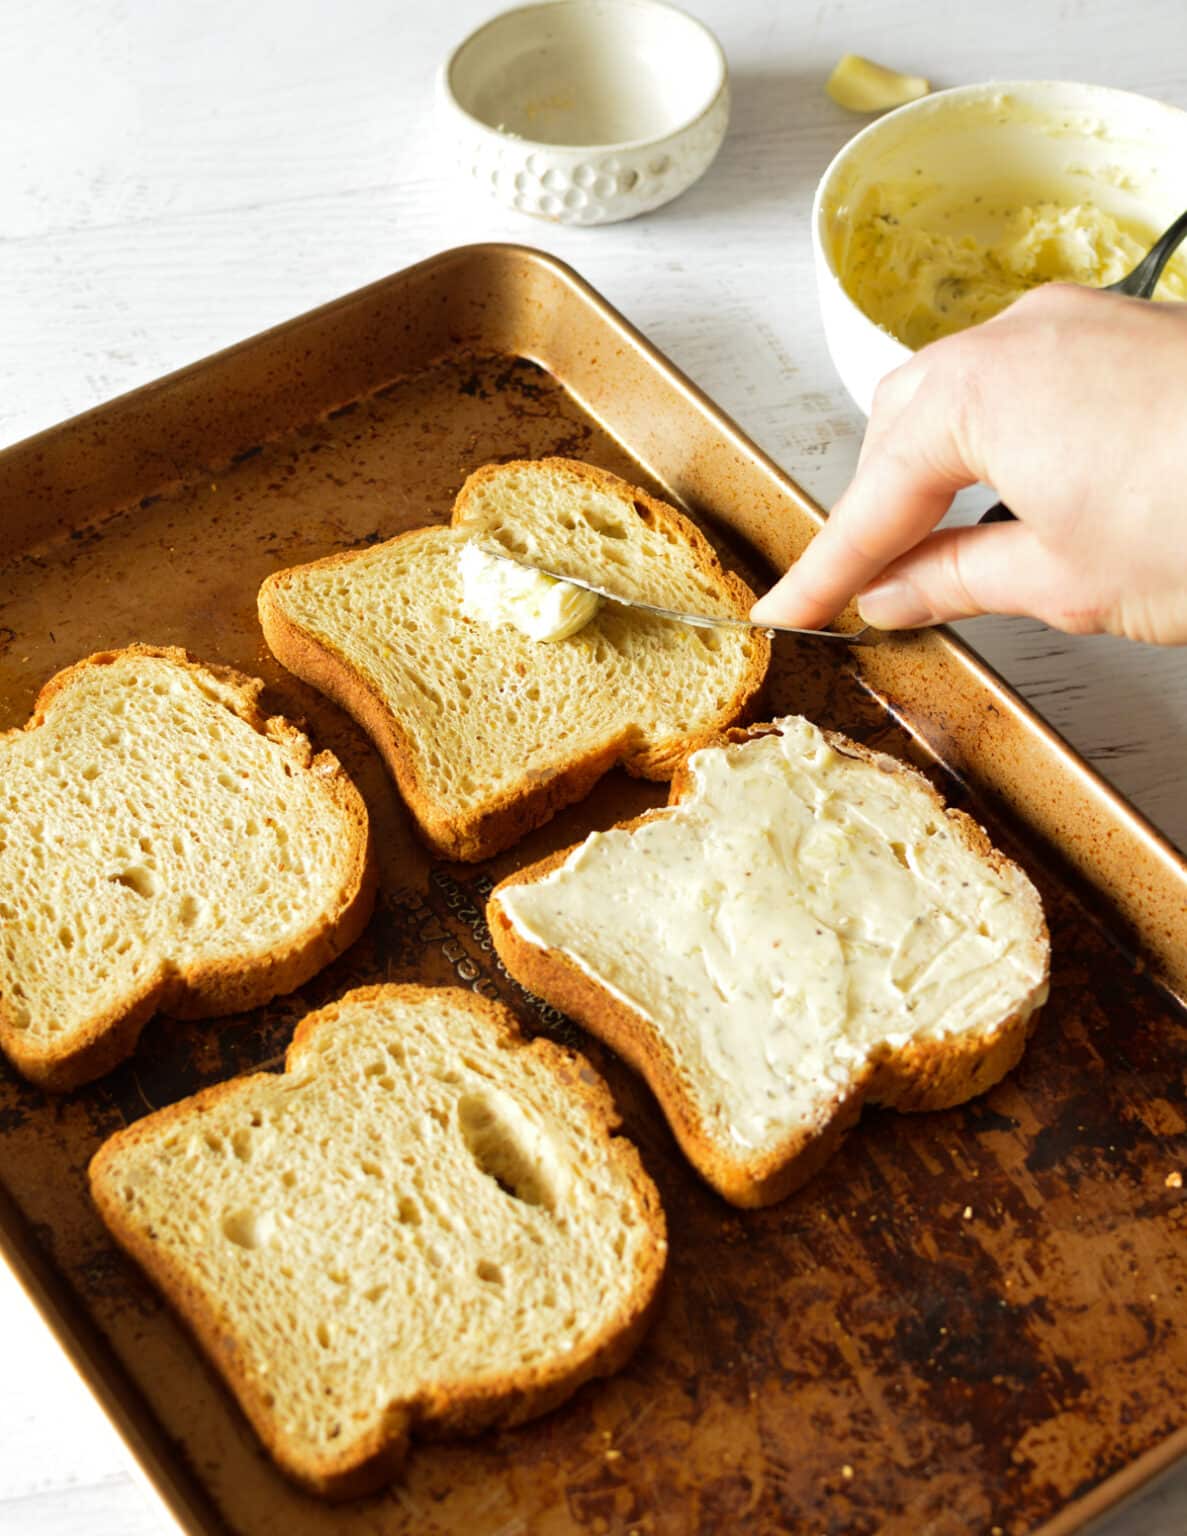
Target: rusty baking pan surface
<point>968,1321</point>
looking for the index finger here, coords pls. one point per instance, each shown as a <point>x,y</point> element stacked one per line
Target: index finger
<point>906,478</point>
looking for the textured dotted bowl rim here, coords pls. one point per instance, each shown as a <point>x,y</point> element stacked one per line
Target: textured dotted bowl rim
<point>682,126</point>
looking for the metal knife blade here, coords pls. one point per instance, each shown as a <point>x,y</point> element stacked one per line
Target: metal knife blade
<point>863,636</point>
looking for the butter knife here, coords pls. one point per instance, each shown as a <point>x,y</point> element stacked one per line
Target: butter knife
<point>863,636</point>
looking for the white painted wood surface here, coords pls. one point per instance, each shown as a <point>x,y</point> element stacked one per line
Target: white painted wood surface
<point>176,176</point>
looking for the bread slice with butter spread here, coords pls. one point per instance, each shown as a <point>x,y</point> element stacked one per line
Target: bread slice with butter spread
<point>164,847</point>
<point>425,1224</point>
<point>486,730</point>
<point>804,929</point>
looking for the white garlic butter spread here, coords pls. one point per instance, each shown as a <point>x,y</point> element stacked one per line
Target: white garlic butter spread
<point>498,591</point>
<point>798,912</point>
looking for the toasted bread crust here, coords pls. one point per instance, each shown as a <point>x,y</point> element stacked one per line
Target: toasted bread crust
<point>213,988</point>
<point>923,1075</point>
<point>369,1464</point>
<point>513,813</point>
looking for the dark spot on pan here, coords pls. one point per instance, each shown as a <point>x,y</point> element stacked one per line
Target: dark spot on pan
<point>982,1119</point>
<point>1087,1131</point>
<point>952,1330</point>
<point>525,379</point>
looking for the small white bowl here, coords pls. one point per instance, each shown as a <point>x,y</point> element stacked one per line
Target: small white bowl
<point>587,111</point>
<point>1030,140</point>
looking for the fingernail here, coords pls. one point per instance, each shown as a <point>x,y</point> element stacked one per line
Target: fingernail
<point>894,605</point>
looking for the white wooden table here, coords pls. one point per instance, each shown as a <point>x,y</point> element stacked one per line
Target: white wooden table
<point>175,176</point>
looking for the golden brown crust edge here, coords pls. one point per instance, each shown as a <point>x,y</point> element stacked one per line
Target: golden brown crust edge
<point>369,1464</point>
<point>511,815</point>
<point>927,1075</point>
<point>467,839</point>
<point>215,988</point>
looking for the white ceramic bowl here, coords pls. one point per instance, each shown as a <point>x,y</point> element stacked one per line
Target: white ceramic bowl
<point>1031,140</point>
<point>586,111</point>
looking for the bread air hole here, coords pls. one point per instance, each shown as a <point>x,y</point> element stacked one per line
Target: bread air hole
<point>511,539</point>
<point>497,1146</point>
<point>248,1228</point>
<point>609,527</point>
<point>138,879</point>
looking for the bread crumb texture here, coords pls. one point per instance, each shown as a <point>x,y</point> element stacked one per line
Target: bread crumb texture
<point>424,1221</point>
<point>162,845</point>
<point>486,731</point>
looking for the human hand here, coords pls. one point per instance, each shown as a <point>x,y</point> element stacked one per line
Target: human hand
<point>1072,404</point>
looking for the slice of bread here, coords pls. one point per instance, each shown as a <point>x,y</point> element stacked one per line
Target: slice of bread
<point>163,847</point>
<point>486,732</point>
<point>805,929</point>
<point>425,1225</point>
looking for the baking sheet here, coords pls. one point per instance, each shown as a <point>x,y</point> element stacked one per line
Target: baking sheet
<point>968,1320</point>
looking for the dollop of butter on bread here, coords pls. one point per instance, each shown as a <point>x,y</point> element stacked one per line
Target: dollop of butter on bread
<point>501,591</point>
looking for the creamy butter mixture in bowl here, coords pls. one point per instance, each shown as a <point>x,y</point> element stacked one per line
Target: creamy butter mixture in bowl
<point>942,213</point>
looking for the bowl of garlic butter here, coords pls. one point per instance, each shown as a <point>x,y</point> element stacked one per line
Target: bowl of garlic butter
<point>942,213</point>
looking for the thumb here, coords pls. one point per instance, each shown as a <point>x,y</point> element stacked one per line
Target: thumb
<point>961,572</point>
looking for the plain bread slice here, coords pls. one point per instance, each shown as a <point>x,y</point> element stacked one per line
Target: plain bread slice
<point>424,1225</point>
<point>164,846</point>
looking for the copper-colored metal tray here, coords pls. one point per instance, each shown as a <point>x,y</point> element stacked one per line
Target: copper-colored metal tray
<point>969,1321</point>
